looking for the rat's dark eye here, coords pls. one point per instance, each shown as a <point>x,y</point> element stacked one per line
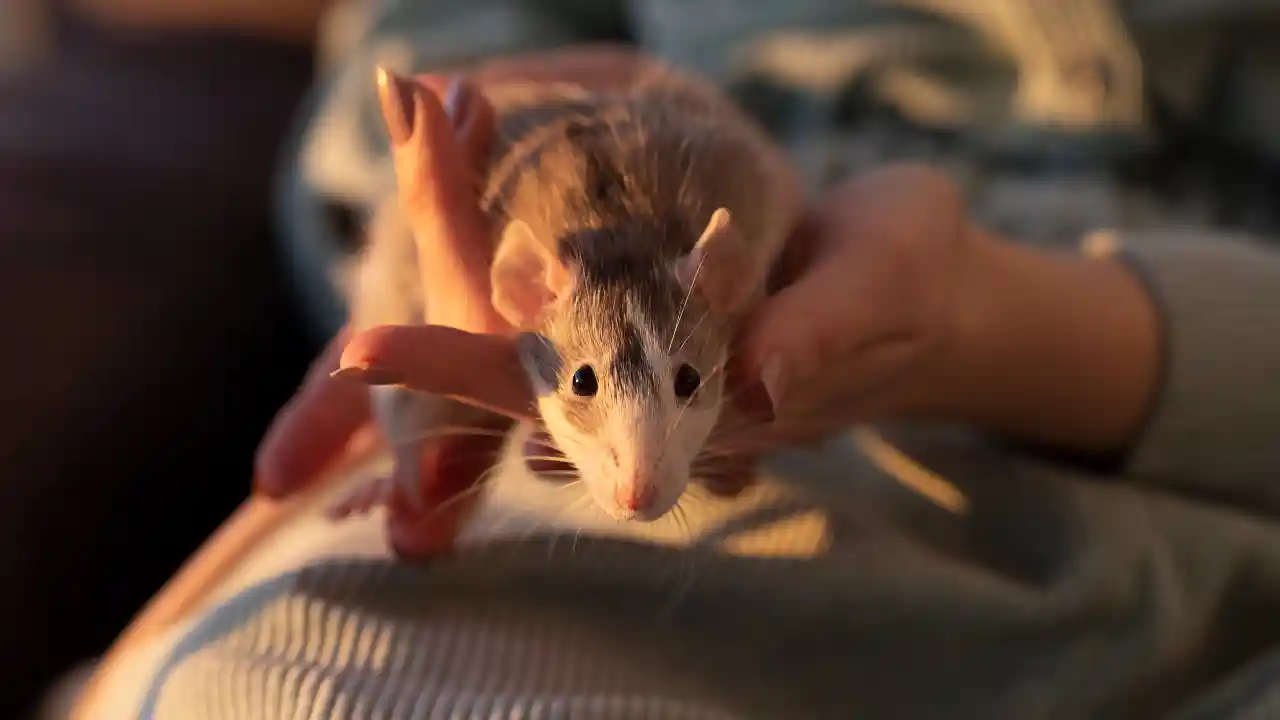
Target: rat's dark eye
<point>687,382</point>
<point>584,381</point>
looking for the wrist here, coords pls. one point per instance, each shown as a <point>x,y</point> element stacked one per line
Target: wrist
<point>1048,347</point>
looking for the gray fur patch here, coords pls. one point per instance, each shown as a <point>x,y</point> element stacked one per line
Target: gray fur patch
<point>631,369</point>
<point>623,266</point>
<point>541,361</point>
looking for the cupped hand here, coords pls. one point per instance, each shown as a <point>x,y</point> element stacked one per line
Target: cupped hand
<point>867,301</point>
<point>439,130</point>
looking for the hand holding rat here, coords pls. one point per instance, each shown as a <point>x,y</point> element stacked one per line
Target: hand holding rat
<point>868,293</point>
<point>434,150</point>
<point>895,304</point>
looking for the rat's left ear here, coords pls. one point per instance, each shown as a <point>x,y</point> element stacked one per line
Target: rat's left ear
<point>719,267</point>
<point>526,276</point>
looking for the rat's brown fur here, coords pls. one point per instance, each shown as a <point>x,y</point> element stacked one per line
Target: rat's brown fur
<point>670,149</point>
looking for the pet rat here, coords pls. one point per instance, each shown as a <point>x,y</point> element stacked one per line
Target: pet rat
<point>634,228</point>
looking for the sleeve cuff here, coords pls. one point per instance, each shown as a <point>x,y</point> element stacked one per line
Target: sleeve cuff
<point>1215,425</point>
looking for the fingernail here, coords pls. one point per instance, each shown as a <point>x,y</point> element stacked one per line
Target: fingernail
<point>367,374</point>
<point>456,99</point>
<point>773,376</point>
<point>395,93</point>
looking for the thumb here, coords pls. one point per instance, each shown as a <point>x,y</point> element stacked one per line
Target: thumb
<point>481,370</point>
<point>426,119</point>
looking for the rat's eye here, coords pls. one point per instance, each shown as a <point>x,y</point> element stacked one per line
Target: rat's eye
<point>584,381</point>
<point>687,382</point>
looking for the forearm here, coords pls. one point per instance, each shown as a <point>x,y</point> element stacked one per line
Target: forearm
<point>1051,347</point>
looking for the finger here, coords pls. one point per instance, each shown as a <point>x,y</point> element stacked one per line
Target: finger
<point>450,469</point>
<point>434,171</point>
<point>785,342</point>
<point>472,116</point>
<point>438,164</point>
<point>424,145</point>
<point>314,429</point>
<point>480,370</point>
<point>801,252</point>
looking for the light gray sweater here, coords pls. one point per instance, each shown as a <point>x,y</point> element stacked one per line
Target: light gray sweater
<point>832,592</point>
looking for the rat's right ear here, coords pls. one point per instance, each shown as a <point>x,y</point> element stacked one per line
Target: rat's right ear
<point>526,277</point>
<point>719,267</point>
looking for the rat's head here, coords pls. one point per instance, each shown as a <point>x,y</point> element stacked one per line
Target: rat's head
<point>629,352</point>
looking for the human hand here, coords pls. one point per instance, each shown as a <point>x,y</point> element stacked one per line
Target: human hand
<point>894,304</point>
<point>869,290</point>
<point>435,152</point>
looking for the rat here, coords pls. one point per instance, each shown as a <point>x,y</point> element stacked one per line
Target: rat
<point>635,228</point>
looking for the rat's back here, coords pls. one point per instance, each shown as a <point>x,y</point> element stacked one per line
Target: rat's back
<point>667,150</point>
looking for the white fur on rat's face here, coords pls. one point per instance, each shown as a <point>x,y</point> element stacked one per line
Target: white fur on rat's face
<point>646,397</point>
<point>634,451</point>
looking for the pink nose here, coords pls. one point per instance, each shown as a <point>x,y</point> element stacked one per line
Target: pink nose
<point>635,496</point>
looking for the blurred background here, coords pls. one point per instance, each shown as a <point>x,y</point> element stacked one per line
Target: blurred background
<point>183,183</point>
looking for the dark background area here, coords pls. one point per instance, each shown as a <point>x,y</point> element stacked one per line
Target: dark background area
<point>148,338</point>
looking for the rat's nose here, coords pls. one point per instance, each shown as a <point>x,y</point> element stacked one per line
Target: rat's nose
<point>635,496</point>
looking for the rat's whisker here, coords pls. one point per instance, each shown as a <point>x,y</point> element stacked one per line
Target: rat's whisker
<point>688,294</point>
<point>549,524</point>
<point>479,486</point>
<point>684,521</point>
<point>550,458</point>
<point>448,431</point>
<point>689,335</point>
<point>555,474</point>
<point>577,533</point>
<point>686,573</point>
